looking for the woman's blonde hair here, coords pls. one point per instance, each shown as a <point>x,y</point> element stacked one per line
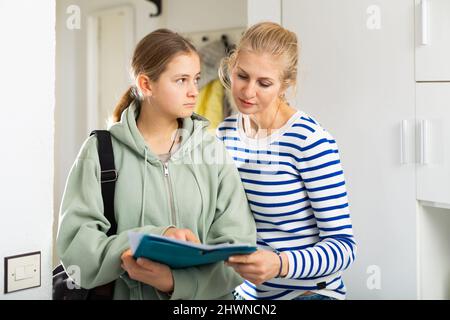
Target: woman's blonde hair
<point>151,57</point>
<point>266,38</point>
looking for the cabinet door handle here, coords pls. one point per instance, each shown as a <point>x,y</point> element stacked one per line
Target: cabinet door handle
<point>403,131</point>
<point>424,126</point>
<point>424,11</point>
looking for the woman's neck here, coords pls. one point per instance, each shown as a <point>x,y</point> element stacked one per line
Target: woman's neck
<point>266,119</point>
<point>273,118</point>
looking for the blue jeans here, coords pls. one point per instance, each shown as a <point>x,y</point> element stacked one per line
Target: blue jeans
<point>314,296</point>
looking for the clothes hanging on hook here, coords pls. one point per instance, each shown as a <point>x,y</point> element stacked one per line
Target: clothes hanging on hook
<point>214,102</point>
<point>210,55</point>
<point>226,43</point>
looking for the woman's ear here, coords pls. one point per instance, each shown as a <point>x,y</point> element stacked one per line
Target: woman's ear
<point>144,85</point>
<point>282,92</point>
<point>284,88</point>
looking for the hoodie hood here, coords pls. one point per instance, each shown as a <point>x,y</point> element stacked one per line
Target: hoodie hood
<point>127,133</point>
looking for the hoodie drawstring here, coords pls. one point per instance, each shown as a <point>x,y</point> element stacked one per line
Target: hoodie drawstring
<point>144,189</point>
<point>141,294</point>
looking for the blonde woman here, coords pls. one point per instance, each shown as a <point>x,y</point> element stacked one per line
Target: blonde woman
<point>163,186</point>
<point>292,175</point>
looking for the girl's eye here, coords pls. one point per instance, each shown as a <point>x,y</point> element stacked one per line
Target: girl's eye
<point>241,76</point>
<point>181,81</point>
<point>196,81</point>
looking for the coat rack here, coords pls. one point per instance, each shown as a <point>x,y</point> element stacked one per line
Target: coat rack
<point>229,37</point>
<point>158,5</point>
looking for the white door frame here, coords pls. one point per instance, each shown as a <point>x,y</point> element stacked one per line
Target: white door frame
<point>92,57</point>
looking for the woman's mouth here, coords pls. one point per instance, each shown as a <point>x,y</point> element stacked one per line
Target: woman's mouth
<point>246,103</point>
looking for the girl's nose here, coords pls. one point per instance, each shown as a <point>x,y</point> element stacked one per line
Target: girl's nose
<point>193,90</point>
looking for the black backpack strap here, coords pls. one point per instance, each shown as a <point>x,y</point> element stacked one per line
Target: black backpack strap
<point>108,176</point>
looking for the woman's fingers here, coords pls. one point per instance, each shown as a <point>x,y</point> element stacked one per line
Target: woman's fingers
<point>248,272</point>
<point>241,258</point>
<point>241,268</point>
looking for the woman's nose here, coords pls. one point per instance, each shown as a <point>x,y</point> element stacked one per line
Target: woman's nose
<point>249,91</point>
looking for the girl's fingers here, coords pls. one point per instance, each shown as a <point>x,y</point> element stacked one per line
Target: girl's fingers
<point>150,265</point>
<point>147,264</point>
<point>190,236</point>
<point>125,254</point>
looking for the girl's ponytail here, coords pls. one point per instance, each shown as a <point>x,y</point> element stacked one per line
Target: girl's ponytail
<point>127,98</point>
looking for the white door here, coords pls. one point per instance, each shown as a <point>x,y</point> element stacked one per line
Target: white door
<point>110,45</point>
<point>432,40</point>
<point>433,169</point>
<point>357,79</point>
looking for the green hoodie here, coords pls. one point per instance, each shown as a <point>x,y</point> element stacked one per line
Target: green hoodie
<point>206,197</point>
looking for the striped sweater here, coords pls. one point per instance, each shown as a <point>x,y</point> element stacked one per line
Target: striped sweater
<point>296,189</point>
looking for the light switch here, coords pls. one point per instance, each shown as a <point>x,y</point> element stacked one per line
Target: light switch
<point>22,271</point>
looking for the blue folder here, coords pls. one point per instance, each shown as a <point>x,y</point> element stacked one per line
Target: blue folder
<point>182,254</point>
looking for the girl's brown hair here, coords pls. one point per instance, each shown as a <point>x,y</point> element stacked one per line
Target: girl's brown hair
<point>151,57</point>
<point>266,37</point>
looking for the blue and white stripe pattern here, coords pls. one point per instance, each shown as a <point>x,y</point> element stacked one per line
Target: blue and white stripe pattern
<point>296,189</point>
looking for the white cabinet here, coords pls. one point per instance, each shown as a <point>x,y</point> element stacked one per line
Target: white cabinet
<point>433,121</point>
<point>357,77</point>
<point>434,249</point>
<point>433,100</point>
<point>432,40</point>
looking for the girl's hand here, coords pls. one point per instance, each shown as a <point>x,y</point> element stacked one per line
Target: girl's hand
<point>259,266</point>
<point>149,272</point>
<point>181,234</point>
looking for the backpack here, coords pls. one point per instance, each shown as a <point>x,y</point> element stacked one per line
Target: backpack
<point>63,287</point>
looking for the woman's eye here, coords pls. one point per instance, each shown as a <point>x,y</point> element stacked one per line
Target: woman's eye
<point>265,84</point>
<point>241,76</point>
<point>197,80</point>
<point>180,81</point>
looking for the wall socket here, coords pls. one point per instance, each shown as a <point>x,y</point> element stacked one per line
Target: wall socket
<point>22,271</point>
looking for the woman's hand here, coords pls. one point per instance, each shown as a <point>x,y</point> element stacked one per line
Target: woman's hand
<point>181,234</point>
<point>149,272</point>
<point>259,266</point>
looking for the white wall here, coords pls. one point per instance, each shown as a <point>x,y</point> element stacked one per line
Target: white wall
<point>201,15</point>
<point>263,10</point>
<point>26,166</point>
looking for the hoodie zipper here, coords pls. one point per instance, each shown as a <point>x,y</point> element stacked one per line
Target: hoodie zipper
<point>170,192</point>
